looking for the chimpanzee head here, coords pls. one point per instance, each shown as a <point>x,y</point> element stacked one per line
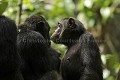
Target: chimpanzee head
<point>39,24</point>
<point>69,30</point>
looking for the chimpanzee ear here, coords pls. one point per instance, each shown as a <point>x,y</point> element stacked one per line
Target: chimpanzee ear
<point>71,22</point>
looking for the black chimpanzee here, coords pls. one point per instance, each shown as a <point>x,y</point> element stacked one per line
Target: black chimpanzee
<point>39,24</point>
<point>82,60</point>
<point>9,58</point>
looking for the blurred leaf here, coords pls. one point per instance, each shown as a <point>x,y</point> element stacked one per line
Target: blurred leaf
<point>3,6</point>
<point>110,78</point>
<point>111,61</point>
<point>81,5</point>
<point>26,1</point>
<point>106,13</point>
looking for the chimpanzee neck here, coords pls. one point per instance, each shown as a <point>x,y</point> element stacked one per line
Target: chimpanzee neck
<point>72,42</point>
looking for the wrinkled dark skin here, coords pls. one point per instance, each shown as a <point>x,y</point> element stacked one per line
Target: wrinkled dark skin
<point>82,60</point>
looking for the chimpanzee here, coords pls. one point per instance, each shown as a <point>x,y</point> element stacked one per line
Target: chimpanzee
<point>82,60</point>
<point>33,50</point>
<point>39,24</point>
<point>10,61</point>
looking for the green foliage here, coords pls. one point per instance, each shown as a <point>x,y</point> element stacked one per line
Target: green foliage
<point>3,6</point>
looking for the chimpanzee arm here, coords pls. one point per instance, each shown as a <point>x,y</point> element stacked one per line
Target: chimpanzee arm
<point>91,58</point>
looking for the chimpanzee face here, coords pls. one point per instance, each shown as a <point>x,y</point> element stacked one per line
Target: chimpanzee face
<point>68,29</point>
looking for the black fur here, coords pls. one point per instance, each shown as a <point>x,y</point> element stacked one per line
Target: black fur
<point>34,52</point>
<point>9,58</point>
<point>39,24</point>
<point>82,60</point>
<point>55,59</point>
